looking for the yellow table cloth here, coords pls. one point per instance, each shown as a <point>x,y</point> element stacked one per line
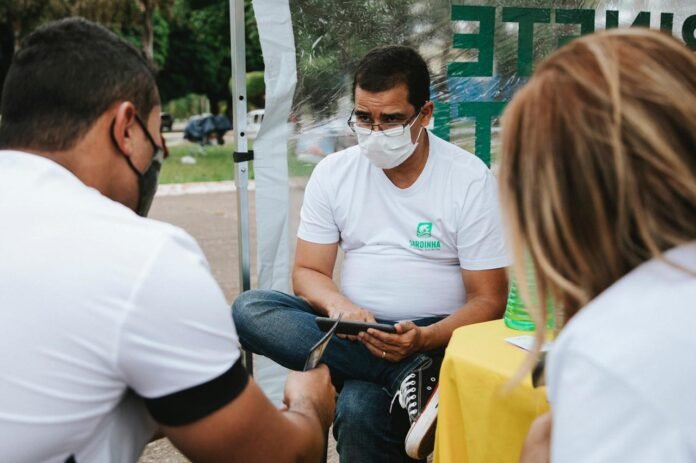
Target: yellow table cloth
<point>477,421</point>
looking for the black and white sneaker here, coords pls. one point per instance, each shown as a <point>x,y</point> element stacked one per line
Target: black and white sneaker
<point>420,440</point>
<point>417,390</point>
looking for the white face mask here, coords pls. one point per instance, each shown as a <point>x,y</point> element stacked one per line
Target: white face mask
<point>387,152</point>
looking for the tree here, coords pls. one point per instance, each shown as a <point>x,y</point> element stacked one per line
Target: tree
<point>148,9</point>
<point>255,88</point>
<point>22,16</point>
<point>18,18</point>
<point>189,40</point>
<point>199,58</point>
<point>121,15</point>
<point>151,31</point>
<point>254,56</point>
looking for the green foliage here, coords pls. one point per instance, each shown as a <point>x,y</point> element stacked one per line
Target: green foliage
<point>199,59</point>
<point>330,48</point>
<point>191,38</point>
<point>132,19</point>
<point>254,57</point>
<point>161,39</point>
<point>183,107</point>
<point>160,33</point>
<point>256,88</point>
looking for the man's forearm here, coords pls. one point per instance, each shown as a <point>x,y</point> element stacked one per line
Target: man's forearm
<point>476,310</point>
<point>319,291</point>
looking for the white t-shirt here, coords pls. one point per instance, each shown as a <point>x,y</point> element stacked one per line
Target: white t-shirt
<point>96,302</point>
<point>405,248</point>
<point>622,373</point>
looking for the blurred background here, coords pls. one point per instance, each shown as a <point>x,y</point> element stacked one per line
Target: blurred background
<point>189,41</point>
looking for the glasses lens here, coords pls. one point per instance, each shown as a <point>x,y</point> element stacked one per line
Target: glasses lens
<point>362,130</point>
<point>389,130</point>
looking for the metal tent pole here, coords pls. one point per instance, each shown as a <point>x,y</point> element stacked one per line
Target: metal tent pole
<point>242,155</point>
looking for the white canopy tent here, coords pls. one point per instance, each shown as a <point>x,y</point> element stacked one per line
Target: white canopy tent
<point>271,167</point>
<point>479,52</point>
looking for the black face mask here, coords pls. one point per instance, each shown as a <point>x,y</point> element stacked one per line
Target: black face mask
<point>147,181</point>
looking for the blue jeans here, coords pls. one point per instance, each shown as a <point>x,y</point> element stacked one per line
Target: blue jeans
<point>282,328</point>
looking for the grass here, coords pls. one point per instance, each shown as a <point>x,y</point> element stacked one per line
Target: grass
<point>214,164</point>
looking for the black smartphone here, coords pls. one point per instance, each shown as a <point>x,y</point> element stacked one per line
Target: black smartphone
<point>351,326</point>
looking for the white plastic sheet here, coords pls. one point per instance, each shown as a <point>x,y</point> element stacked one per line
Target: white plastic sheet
<point>271,167</point>
<point>479,53</point>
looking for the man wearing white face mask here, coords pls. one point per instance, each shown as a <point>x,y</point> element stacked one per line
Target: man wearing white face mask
<point>389,147</point>
<point>418,221</point>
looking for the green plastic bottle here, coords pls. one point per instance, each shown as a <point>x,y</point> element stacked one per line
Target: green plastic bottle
<point>516,315</point>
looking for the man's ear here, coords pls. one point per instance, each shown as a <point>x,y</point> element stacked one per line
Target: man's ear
<point>427,113</point>
<point>122,127</point>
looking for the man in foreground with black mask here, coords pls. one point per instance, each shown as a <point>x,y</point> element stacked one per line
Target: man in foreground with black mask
<point>108,319</point>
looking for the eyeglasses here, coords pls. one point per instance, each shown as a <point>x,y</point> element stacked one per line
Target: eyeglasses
<point>389,129</point>
<point>161,151</point>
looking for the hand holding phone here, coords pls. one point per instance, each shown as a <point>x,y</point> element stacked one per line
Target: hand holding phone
<point>353,313</point>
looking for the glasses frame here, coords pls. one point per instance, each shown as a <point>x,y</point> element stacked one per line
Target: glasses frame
<point>409,121</point>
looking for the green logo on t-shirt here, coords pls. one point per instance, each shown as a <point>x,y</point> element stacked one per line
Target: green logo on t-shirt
<point>424,230</point>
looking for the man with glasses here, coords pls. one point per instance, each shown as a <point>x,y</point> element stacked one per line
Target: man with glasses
<point>110,323</point>
<point>418,221</point>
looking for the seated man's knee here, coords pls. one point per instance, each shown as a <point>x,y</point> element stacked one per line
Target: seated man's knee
<point>247,307</point>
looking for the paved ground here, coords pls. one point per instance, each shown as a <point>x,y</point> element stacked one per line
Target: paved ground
<point>212,220</point>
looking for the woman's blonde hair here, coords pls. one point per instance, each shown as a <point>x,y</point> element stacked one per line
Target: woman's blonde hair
<point>598,166</point>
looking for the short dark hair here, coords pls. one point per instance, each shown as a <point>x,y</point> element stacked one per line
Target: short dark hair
<point>383,68</point>
<point>64,77</point>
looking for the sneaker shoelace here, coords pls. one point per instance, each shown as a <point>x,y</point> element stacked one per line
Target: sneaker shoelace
<point>408,396</point>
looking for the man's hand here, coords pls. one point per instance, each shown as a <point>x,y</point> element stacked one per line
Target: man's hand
<point>408,340</point>
<point>351,312</point>
<point>311,394</point>
<point>251,429</point>
<point>537,446</point>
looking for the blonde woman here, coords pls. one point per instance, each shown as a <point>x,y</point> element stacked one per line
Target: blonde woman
<point>598,180</point>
